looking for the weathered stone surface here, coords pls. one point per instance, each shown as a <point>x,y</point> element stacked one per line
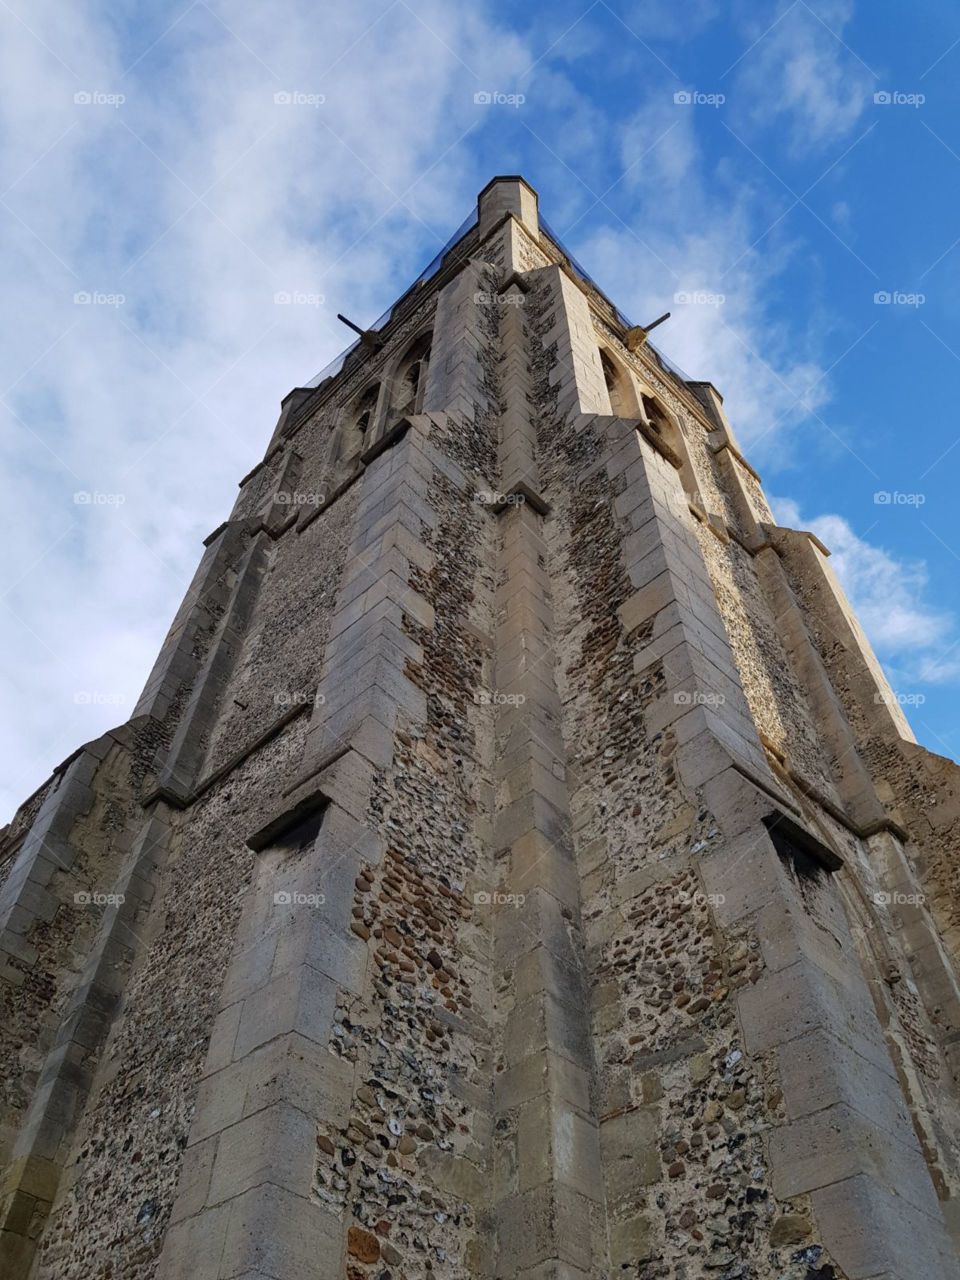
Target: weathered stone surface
<point>516,866</point>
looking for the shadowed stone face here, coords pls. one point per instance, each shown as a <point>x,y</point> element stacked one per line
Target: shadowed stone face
<point>515,866</point>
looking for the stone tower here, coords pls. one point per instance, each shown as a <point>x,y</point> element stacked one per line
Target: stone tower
<point>517,865</point>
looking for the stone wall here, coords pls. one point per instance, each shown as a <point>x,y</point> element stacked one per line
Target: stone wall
<point>127,1156</point>
<point>521,873</point>
<point>276,668</point>
<point>51,925</point>
<point>684,1111</point>
<point>408,1166</point>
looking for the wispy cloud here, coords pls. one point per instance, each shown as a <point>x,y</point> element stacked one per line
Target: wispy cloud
<point>244,155</point>
<point>690,246</point>
<point>803,74</point>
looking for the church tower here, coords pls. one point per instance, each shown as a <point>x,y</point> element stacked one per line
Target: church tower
<point>517,866</point>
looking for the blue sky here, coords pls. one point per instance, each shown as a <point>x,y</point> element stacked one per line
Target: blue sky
<point>168,171</point>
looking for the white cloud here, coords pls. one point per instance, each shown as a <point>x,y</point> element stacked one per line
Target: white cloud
<point>841,214</point>
<point>170,397</point>
<point>692,234</point>
<point>801,73</point>
<point>199,198</point>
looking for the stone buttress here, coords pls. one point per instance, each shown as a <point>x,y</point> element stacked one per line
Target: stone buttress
<point>517,865</point>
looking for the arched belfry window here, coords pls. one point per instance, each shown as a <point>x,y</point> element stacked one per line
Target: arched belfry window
<point>623,397</point>
<point>657,416</point>
<point>358,422</point>
<point>410,378</point>
<point>611,378</point>
<point>667,426</point>
<point>365,409</point>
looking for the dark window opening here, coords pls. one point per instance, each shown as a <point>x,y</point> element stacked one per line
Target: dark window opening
<point>610,376</point>
<point>410,381</point>
<point>366,408</point>
<point>616,384</point>
<point>656,416</point>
